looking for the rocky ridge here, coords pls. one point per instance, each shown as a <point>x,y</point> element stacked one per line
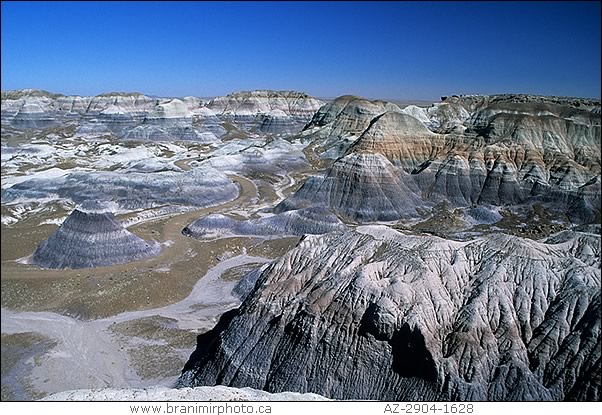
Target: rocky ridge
<point>297,222</point>
<point>367,312</point>
<point>375,314</point>
<point>338,124</point>
<point>134,190</point>
<point>267,112</point>
<point>472,102</point>
<point>506,153</point>
<point>141,117</point>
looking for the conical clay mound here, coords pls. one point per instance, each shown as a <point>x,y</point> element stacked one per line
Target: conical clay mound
<point>92,237</point>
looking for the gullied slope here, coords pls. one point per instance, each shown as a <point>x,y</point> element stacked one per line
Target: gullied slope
<point>242,103</point>
<point>91,237</point>
<point>268,112</point>
<point>359,187</point>
<point>374,314</point>
<point>507,153</point>
<point>401,138</point>
<point>336,125</point>
<point>141,117</point>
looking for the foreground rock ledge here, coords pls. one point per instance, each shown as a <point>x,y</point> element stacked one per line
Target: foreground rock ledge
<point>375,314</point>
<point>202,393</point>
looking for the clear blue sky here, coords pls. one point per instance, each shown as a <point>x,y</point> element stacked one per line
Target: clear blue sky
<point>417,50</point>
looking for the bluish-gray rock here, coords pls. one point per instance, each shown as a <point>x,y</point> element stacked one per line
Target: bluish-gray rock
<point>92,237</point>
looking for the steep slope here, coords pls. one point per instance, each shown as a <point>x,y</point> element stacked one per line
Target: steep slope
<point>141,117</point>
<point>91,237</point>
<point>375,314</point>
<point>28,108</point>
<point>401,138</point>
<point>182,119</point>
<point>273,112</point>
<point>243,103</point>
<point>507,153</point>
<point>336,125</point>
<point>359,187</point>
<point>446,117</point>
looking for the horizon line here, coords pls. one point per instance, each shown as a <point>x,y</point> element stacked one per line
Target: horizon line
<point>325,98</point>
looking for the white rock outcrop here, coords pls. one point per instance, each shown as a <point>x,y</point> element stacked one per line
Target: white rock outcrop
<point>199,394</point>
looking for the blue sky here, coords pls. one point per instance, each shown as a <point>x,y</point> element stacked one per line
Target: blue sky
<point>395,50</point>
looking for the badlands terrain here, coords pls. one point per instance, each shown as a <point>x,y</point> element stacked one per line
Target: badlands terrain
<point>275,243</point>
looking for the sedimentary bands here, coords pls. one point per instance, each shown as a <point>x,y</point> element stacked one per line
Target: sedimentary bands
<point>296,222</point>
<point>137,116</point>
<point>91,237</point>
<point>507,153</point>
<point>351,248</point>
